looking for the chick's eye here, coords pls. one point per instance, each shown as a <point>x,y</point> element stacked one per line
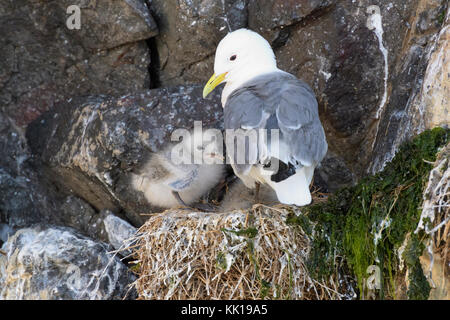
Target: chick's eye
<point>233,57</point>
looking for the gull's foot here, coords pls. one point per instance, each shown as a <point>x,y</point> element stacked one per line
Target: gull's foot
<point>205,207</point>
<point>257,187</point>
<point>184,208</point>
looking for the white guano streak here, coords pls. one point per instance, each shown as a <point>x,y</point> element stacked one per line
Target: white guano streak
<point>374,22</point>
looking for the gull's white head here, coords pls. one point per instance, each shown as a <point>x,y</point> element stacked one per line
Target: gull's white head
<point>240,56</point>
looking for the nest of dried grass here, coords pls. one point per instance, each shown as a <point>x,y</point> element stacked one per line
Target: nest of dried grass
<point>250,254</point>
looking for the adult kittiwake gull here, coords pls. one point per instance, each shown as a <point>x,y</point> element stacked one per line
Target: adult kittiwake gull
<point>260,97</point>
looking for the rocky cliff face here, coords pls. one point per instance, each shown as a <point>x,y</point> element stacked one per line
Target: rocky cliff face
<point>418,94</point>
<point>56,263</point>
<point>82,109</point>
<point>43,61</point>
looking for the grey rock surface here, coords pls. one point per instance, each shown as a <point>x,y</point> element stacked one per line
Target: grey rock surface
<point>24,200</point>
<point>419,98</point>
<point>271,17</point>
<point>100,226</point>
<point>108,24</point>
<point>25,197</point>
<point>78,214</point>
<point>119,232</point>
<point>56,263</point>
<point>43,62</point>
<point>5,232</point>
<point>189,33</point>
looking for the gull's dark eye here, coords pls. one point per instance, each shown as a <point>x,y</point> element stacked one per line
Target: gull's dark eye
<point>233,57</point>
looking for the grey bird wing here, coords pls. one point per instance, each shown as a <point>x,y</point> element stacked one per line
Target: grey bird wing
<point>279,101</point>
<point>180,183</point>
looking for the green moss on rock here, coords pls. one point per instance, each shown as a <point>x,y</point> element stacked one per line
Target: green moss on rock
<point>419,288</point>
<point>366,224</point>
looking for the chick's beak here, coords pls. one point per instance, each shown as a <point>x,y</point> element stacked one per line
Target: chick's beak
<point>214,155</point>
<point>213,82</point>
<point>217,156</point>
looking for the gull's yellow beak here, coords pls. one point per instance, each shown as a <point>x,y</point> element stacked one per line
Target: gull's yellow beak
<point>213,82</point>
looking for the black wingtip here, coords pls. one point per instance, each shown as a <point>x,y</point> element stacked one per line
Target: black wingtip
<point>284,172</point>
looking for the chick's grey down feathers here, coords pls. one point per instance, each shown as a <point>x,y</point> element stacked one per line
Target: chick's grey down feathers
<point>278,100</point>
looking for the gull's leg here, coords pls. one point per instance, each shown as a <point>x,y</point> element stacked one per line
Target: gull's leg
<point>257,186</point>
<point>199,206</point>
<point>205,207</point>
<point>177,196</point>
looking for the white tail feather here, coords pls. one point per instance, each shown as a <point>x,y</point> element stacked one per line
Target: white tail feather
<point>295,189</point>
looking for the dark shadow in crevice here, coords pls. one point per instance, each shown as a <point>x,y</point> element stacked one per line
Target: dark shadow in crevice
<point>154,66</point>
